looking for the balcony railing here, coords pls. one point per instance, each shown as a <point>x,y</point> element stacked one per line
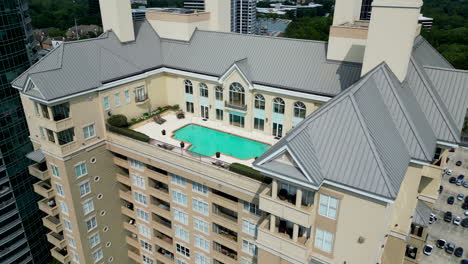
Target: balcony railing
<point>39,170</point>
<point>44,189</point>
<point>53,223</point>
<point>235,106</point>
<point>48,206</point>
<point>61,255</point>
<point>56,239</point>
<point>225,250</point>
<point>225,213</point>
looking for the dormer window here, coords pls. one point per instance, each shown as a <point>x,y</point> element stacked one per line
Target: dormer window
<point>236,94</point>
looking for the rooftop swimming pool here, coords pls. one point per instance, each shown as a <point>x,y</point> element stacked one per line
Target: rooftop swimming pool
<point>207,142</point>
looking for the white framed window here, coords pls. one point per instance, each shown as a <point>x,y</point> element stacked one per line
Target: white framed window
<point>219,93</point>
<point>299,110</point>
<point>143,215</point>
<point>137,164</point>
<point>140,198</point>
<point>323,240</point>
<point>88,131</point>
<point>202,243</point>
<point>97,255</point>
<point>81,170</point>
<point>117,99</point>
<point>179,198</point>
<point>188,87</point>
<point>71,241</point>
<point>85,188</point>
<point>252,208</point>
<point>180,261</point>
<point>203,90</point>
<point>184,251</point>
<point>64,208</point>
<point>246,261</point>
<point>147,260</point>
<point>176,179</point>
<point>180,216</point>
<point>249,248</point>
<point>200,206</point>
<point>138,180</point>
<point>75,257</point>
<point>91,223</point>
<point>127,96</point>
<point>106,102</point>
<point>144,231</point>
<point>201,225</point>
<point>199,188</point>
<point>328,206</point>
<point>55,171</point>
<point>88,206</point>
<point>182,233</point>
<point>94,240</point>
<point>249,227</point>
<point>59,189</point>
<point>146,246</point>
<point>42,131</point>
<point>200,259</point>
<point>68,225</point>
<point>36,108</point>
<point>140,94</point>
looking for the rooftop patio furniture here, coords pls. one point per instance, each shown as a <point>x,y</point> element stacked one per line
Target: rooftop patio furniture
<point>158,119</point>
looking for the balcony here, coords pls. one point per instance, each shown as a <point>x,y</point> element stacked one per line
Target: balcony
<point>61,255</point>
<point>159,190</point>
<point>225,200</point>
<point>128,211</point>
<point>121,162</point>
<point>161,224</point>
<point>48,206</point>
<point>236,106</point>
<point>157,174</point>
<point>40,171</point>
<point>160,207</point>
<point>226,254</point>
<point>126,195</point>
<point>165,254</point>
<point>226,234</point>
<point>122,178</point>
<point>134,254</point>
<point>56,239</point>
<point>163,240</point>
<point>130,225</point>
<point>225,214</point>
<point>53,223</point>
<point>44,189</point>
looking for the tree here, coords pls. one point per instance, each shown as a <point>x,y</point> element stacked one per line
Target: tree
<point>316,28</point>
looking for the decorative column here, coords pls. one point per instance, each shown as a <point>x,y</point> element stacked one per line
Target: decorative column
<point>298,198</point>
<point>274,189</point>
<point>272,223</point>
<point>295,232</point>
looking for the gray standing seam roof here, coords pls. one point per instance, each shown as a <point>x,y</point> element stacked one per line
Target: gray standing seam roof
<point>422,213</point>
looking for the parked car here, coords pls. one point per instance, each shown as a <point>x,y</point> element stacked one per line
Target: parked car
<point>465,184</point>
<point>464,261</point>
<point>464,206</point>
<point>466,214</point>
<point>458,252</point>
<point>456,220</point>
<point>464,223</point>
<point>433,218</point>
<point>428,250</point>
<point>460,179</point>
<point>450,248</point>
<point>440,243</point>
<point>460,197</point>
<point>458,163</point>
<point>466,199</point>
<point>450,200</point>
<point>448,216</point>
<point>448,171</point>
<point>459,182</point>
<point>452,180</point>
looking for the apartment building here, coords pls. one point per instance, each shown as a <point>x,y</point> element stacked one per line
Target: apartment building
<point>242,148</point>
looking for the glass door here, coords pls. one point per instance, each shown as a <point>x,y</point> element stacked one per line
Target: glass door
<point>204,111</point>
<point>277,130</point>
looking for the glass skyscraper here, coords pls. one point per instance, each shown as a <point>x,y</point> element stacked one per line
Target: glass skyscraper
<point>22,237</point>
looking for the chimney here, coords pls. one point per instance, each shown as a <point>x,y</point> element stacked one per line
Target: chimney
<point>220,14</point>
<point>346,11</point>
<point>392,30</point>
<point>117,16</point>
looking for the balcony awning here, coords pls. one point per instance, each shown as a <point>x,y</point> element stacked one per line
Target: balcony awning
<point>422,214</point>
<point>36,156</point>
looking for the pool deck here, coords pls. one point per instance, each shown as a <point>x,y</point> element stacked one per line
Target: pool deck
<point>153,130</point>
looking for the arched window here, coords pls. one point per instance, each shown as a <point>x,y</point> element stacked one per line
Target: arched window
<point>236,94</point>
<point>188,87</point>
<point>259,102</point>
<point>219,93</point>
<point>278,105</point>
<point>203,90</point>
<point>299,110</point>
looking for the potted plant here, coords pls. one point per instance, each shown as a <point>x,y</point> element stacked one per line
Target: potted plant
<point>218,154</point>
<point>182,144</point>
<point>163,132</point>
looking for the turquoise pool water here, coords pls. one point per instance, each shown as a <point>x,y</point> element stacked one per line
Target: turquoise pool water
<point>207,142</point>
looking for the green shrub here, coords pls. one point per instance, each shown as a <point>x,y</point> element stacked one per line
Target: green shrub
<point>249,172</point>
<point>129,133</point>
<point>175,107</point>
<point>118,121</point>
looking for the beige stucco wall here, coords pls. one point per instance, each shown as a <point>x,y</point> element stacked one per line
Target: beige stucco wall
<point>346,11</point>
<point>177,26</point>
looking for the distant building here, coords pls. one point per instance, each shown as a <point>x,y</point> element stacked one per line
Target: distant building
<point>195,4</point>
<point>272,27</point>
<point>281,9</point>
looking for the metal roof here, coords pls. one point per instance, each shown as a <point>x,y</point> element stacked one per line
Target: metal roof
<point>422,214</point>
<point>36,155</point>
<point>428,55</point>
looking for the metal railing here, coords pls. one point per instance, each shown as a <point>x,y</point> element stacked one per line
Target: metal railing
<point>235,106</point>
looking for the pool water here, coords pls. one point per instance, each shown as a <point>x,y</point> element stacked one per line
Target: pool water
<point>207,142</point>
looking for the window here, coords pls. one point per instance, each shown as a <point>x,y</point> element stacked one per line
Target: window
<point>147,260</point>
<point>143,215</point>
<point>88,207</point>
<point>182,233</point>
<point>59,189</point>
<point>246,261</point>
<point>189,107</point>
<point>94,240</point>
<point>138,180</point>
<point>200,206</point>
<point>278,105</point>
<point>252,208</point>
<point>202,243</point>
<point>140,94</point>
<point>183,250</point>
<point>66,136</point>
<point>249,248</point>
<point>75,257</point>
<point>42,130</point>
<point>144,231</point>
<point>200,259</point>
<point>179,261</point>
<point>64,208</point>
<point>50,135</point>
<point>179,180</point>
<point>85,188</point>
<point>88,131</point>
<point>236,94</point>
<point>61,111</point>
<point>67,225</point>
<point>323,240</point>
<point>145,245</point>
<point>201,225</point>
<point>81,170</point>
<point>236,120</point>
<point>219,114</point>
<point>259,124</point>
<point>188,87</point>
<point>97,255</point>
<point>179,198</point>
<point>299,110</point>
<point>137,164</point>
<point>180,216</point>
<point>259,102</point>
<point>36,108</point>
<point>199,188</point>
<point>106,103</point>
<point>71,241</point>
<point>127,96</point>
<point>45,111</point>
<point>55,171</point>
<point>249,227</point>
<point>203,90</point>
<point>140,198</point>
<point>219,93</point>
<point>117,99</point>
<point>91,223</point>
<point>328,206</point>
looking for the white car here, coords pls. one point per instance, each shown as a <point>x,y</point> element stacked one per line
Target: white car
<point>466,213</point>
<point>457,220</point>
<point>448,171</point>
<point>428,250</point>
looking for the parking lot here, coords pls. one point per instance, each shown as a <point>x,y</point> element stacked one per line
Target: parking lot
<point>448,231</point>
